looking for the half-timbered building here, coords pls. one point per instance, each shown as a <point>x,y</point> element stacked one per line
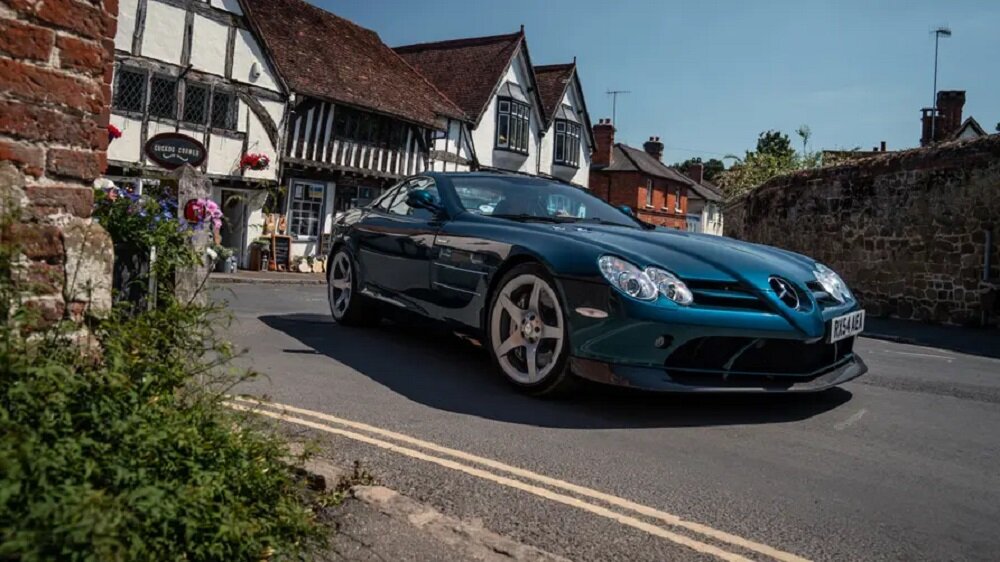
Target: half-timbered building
<point>195,68</point>
<point>359,117</point>
<point>568,140</point>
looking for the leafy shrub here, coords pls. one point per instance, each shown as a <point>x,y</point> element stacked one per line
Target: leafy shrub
<point>129,454</point>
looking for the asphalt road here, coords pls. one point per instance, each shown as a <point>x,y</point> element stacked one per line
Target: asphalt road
<point>902,464</point>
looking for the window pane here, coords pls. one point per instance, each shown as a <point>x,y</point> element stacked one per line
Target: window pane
<point>130,92</point>
<point>503,130</point>
<point>649,193</point>
<point>305,207</point>
<point>223,110</point>
<point>195,103</point>
<point>560,126</point>
<point>163,97</point>
<point>504,107</point>
<point>560,147</point>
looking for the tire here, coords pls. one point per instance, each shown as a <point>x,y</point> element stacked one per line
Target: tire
<point>347,306</point>
<point>526,332</point>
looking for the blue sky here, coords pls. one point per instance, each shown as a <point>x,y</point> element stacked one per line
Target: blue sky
<point>708,76</point>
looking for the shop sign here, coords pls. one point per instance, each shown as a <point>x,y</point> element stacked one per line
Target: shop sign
<point>173,150</point>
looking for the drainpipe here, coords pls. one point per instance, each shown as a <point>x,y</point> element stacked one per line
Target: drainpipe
<point>987,254</point>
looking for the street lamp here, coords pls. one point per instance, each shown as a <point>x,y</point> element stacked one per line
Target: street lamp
<point>938,34</point>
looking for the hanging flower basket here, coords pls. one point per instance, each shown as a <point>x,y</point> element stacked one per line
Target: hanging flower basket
<point>113,132</point>
<point>255,161</point>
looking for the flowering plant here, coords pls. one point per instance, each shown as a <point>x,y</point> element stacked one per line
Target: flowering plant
<point>255,161</point>
<point>113,132</point>
<point>202,212</point>
<point>144,222</point>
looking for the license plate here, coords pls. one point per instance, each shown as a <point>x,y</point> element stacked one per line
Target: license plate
<point>848,325</point>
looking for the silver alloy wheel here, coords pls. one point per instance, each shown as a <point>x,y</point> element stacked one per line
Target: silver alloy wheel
<point>527,326</point>
<point>340,285</point>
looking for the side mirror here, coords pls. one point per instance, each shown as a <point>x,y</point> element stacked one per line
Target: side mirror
<point>422,199</point>
<point>626,209</point>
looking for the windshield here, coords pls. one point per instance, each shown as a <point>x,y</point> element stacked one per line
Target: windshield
<point>534,199</point>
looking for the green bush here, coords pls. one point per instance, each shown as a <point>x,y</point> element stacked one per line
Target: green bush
<point>130,455</point>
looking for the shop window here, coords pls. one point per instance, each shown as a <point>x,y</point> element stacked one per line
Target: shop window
<point>195,103</point>
<point>163,97</point>
<point>305,209</point>
<point>224,110</point>
<point>130,90</point>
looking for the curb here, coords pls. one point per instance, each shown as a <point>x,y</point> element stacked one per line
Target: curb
<point>889,337</point>
<point>213,280</point>
<point>469,538</point>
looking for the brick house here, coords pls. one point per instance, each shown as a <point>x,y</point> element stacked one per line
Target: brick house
<point>623,175</point>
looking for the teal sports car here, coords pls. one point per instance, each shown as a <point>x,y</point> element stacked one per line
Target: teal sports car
<point>556,283</point>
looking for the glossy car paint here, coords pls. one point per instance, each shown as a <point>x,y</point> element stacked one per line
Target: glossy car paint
<point>444,266</point>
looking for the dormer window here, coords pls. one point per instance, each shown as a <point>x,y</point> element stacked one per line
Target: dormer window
<point>513,119</point>
<point>567,144</point>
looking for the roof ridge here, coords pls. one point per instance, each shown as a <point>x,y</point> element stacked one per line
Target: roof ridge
<point>557,66</point>
<point>455,43</point>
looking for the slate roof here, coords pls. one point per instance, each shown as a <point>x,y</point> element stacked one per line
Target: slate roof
<point>322,55</point>
<point>553,79</point>
<point>625,158</point>
<point>465,70</point>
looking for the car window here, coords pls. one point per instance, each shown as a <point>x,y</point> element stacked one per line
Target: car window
<point>385,200</point>
<point>399,206</point>
<point>527,198</point>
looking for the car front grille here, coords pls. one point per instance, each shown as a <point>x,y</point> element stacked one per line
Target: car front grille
<point>748,357</point>
<point>724,294</point>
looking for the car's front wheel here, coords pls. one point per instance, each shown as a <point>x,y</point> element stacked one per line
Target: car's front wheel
<point>527,331</point>
<point>346,306</point>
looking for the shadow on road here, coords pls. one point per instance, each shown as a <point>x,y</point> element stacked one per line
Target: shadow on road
<point>445,372</point>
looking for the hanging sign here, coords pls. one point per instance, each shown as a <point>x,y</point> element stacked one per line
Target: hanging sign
<point>173,150</point>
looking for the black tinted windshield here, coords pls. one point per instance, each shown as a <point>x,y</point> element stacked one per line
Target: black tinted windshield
<point>532,198</point>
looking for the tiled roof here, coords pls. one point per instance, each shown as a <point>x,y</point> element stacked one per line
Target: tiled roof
<point>465,70</point>
<point>624,158</point>
<point>553,79</point>
<point>325,56</point>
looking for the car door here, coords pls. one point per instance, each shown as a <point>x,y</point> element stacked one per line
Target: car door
<point>395,243</point>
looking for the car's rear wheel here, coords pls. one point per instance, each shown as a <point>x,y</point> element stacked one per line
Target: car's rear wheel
<point>346,306</point>
<point>527,331</point>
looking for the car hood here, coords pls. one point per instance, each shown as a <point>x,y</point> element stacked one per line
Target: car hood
<point>694,256</point>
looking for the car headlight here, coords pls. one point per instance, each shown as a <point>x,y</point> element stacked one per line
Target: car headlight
<point>643,285</point>
<point>832,283</point>
<point>670,286</point>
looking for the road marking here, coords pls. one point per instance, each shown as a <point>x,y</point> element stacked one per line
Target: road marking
<point>701,547</point>
<point>945,357</point>
<point>647,511</point>
<point>840,426</point>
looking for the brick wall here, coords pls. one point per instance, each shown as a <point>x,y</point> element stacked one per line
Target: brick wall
<point>55,88</point>
<point>629,188</point>
<point>907,230</point>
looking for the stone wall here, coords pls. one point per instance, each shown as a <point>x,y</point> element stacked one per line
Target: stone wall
<point>907,230</point>
<point>55,88</point>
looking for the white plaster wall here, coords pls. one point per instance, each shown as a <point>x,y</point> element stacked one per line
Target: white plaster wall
<point>208,45</point>
<point>258,141</point>
<point>224,153</point>
<point>453,143</point>
<point>126,24</point>
<point>484,135</point>
<point>228,5</point>
<point>245,53</point>
<point>163,36</point>
<point>128,147</point>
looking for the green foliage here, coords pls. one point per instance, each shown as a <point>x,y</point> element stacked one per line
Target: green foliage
<point>774,157</point>
<point>712,168</point>
<point>147,221</point>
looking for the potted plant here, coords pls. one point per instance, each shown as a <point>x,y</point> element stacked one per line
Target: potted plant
<point>224,258</point>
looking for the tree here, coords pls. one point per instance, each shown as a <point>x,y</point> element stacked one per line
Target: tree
<point>712,168</point>
<point>804,132</point>
<point>775,143</point>
<point>774,156</point>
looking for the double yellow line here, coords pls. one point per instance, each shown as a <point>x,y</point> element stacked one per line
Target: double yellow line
<point>667,526</point>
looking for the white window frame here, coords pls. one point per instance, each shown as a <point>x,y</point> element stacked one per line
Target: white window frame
<point>291,211</point>
<point>649,194</point>
<point>518,116</point>
<point>570,133</point>
<point>677,200</point>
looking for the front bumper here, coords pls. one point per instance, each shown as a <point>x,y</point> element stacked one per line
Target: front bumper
<point>659,379</point>
<point>703,349</point>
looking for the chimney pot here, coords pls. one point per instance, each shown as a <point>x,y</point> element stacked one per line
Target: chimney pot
<point>654,147</point>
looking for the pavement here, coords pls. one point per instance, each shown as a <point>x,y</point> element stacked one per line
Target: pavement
<point>268,278</point>
<point>901,464</point>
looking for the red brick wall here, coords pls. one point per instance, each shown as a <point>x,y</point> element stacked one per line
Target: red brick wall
<point>55,86</point>
<point>629,188</point>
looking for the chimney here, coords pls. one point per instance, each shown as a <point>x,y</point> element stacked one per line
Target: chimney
<point>949,103</point>
<point>654,147</point>
<point>926,118</point>
<point>604,140</point>
<point>696,172</point>
<point>881,146</point>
